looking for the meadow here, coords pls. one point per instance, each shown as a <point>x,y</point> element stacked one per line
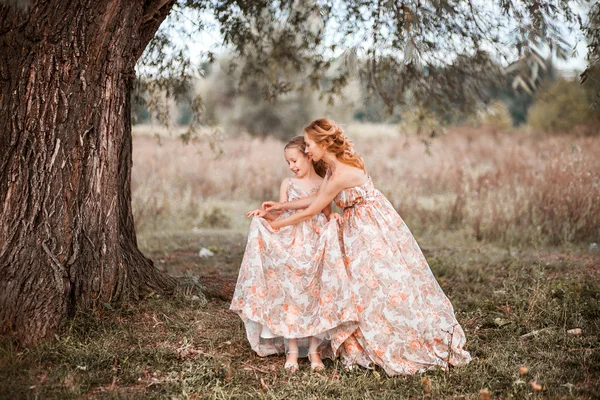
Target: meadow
<point>477,183</point>
<point>509,222</point>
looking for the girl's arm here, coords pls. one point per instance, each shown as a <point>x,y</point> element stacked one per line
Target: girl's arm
<point>323,199</point>
<point>283,190</point>
<point>283,197</point>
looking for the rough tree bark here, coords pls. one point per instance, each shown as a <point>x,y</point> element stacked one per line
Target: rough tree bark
<point>219,287</point>
<point>67,236</point>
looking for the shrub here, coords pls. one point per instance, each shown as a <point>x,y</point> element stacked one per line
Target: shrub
<point>559,107</point>
<point>497,116</point>
<point>215,217</point>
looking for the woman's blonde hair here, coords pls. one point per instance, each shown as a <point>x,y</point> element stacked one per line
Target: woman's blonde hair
<point>326,131</point>
<point>298,143</point>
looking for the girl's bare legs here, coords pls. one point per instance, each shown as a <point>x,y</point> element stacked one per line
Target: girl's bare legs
<point>316,364</point>
<point>291,361</point>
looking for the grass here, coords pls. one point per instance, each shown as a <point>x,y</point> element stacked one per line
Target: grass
<point>504,188</point>
<point>506,223</point>
<point>180,348</point>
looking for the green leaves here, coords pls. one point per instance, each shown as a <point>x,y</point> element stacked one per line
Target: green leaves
<point>426,53</point>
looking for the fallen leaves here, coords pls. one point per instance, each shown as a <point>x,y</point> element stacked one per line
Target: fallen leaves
<point>575,331</point>
<point>42,378</point>
<point>500,322</point>
<point>485,394</point>
<point>426,385</point>
<point>523,371</point>
<point>69,382</point>
<point>263,384</point>
<point>537,332</point>
<point>536,386</point>
<point>227,368</point>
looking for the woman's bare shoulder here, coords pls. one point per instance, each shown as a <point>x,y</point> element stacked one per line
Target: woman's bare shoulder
<point>350,176</point>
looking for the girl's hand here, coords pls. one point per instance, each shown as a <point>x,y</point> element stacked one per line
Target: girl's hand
<point>256,213</point>
<point>274,225</point>
<point>272,206</point>
<point>335,216</point>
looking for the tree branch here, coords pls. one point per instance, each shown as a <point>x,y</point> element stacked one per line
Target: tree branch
<point>152,8</point>
<point>155,13</point>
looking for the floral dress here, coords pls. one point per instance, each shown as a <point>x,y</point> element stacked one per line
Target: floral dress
<point>406,322</point>
<point>290,287</point>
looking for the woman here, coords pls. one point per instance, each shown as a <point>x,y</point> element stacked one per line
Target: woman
<point>406,323</point>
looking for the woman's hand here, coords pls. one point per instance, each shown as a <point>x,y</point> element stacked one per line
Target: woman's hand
<point>256,213</point>
<point>272,206</point>
<point>335,216</point>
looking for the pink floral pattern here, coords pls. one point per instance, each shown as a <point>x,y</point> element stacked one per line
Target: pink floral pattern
<point>406,322</point>
<point>293,282</point>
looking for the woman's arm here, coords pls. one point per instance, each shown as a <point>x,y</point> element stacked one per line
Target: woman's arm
<point>323,199</point>
<point>327,210</point>
<point>289,205</point>
<point>298,204</point>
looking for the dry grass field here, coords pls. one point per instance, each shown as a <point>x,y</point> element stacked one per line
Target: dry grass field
<point>511,189</point>
<point>508,223</point>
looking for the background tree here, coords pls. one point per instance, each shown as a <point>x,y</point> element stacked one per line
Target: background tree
<point>591,76</point>
<point>559,107</point>
<point>67,72</point>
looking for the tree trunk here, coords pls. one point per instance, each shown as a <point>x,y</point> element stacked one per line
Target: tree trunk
<point>67,236</point>
<point>217,286</point>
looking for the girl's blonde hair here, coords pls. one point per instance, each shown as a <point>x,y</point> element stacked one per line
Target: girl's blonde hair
<point>299,143</point>
<point>326,131</point>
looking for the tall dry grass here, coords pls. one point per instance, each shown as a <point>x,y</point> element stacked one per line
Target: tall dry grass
<point>181,186</point>
<point>512,188</point>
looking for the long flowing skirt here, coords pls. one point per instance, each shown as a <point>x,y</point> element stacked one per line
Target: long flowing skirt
<point>291,285</point>
<point>406,322</point>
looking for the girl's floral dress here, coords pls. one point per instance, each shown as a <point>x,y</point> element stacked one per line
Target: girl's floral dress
<point>293,284</point>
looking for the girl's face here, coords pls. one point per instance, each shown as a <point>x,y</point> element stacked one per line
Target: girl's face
<point>298,163</point>
<point>313,149</point>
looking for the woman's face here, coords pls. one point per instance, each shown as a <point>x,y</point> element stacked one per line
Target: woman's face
<point>298,163</point>
<point>313,149</point>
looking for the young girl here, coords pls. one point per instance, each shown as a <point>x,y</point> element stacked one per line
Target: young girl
<point>406,323</point>
<point>288,289</point>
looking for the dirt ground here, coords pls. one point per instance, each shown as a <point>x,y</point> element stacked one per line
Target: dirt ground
<point>516,309</point>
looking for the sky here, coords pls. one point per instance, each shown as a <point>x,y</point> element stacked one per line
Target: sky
<point>209,39</point>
